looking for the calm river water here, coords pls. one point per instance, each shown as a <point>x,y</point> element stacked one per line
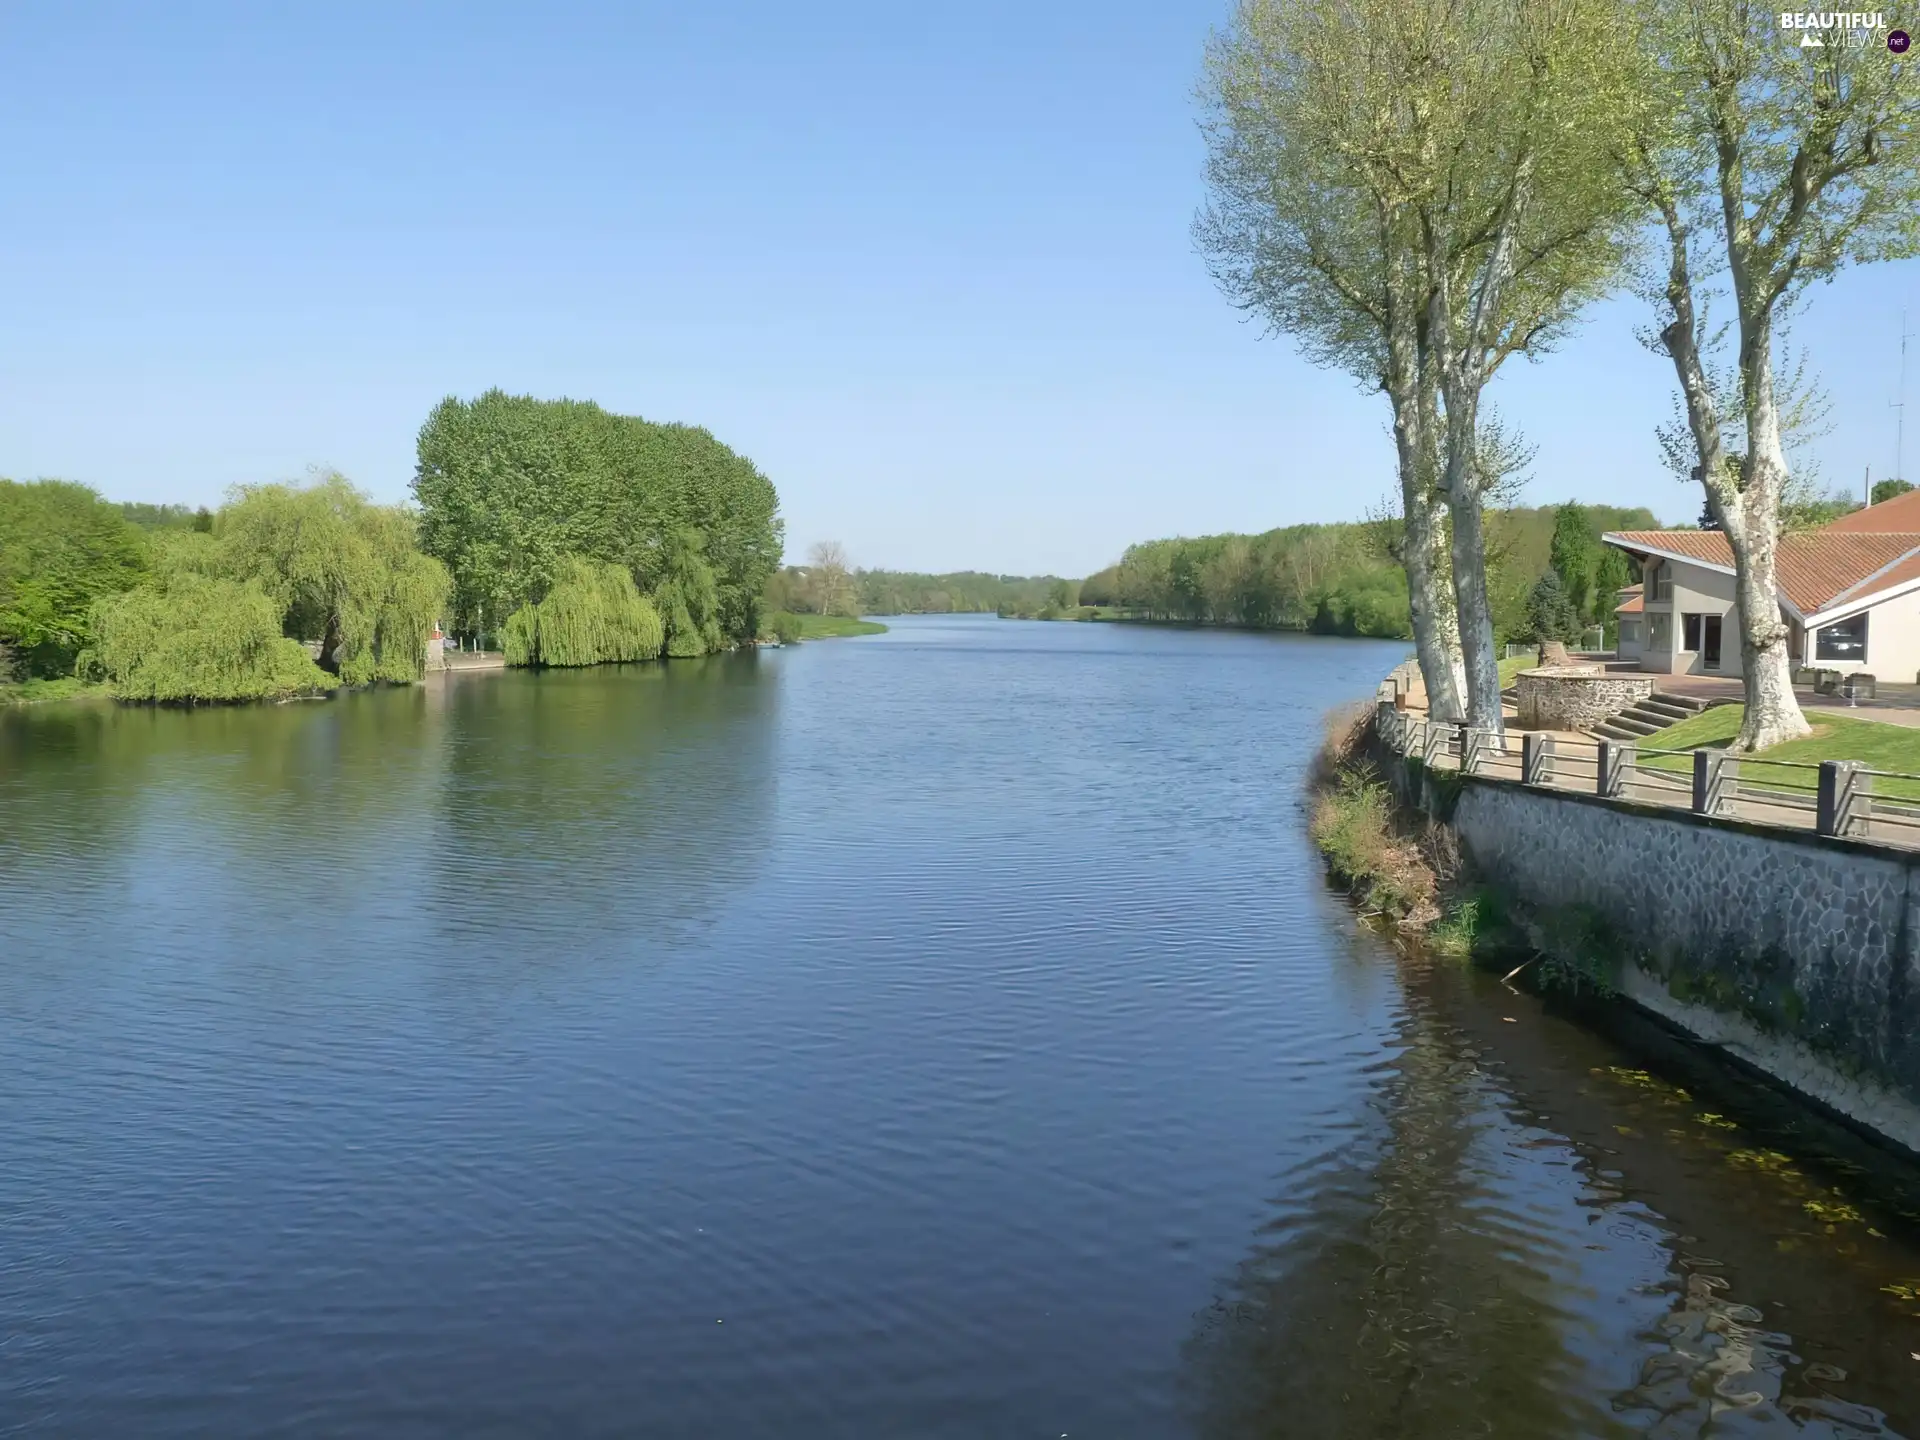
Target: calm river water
<point>948,1033</point>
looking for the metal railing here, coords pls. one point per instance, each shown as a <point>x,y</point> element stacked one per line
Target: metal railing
<point>1829,797</point>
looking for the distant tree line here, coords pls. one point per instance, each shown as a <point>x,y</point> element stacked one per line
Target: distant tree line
<point>1346,579</point>
<point>962,592</point>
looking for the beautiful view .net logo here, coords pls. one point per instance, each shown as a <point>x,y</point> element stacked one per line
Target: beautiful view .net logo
<point>1855,27</point>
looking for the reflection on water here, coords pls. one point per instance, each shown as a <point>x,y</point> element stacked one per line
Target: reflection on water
<point>1490,1258</point>
<point>946,1033</point>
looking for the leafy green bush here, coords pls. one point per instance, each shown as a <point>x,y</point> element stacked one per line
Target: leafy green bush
<point>592,615</point>
<point>192,638</point>
<point>1352,823</point>
<point>342,570</point>
<point>786,628</point>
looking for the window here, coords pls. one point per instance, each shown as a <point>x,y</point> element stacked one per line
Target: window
<point>1844,641</point>
<point>1629,631</point>
<point>1662,582</point>
<point>1689,632</point>
<point>1660,632</point>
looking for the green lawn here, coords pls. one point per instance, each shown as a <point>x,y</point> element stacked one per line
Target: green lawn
<point>827,627</point>
<point>1511,668</point>
<point>32,692</point>
<point>1835,737</point>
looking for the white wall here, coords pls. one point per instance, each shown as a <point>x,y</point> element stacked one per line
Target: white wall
<point>1893,642</point>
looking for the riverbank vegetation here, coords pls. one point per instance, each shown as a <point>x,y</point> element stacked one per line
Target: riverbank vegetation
<point>789,627</point>
<point>572,535</point>
<point>1346,579</point>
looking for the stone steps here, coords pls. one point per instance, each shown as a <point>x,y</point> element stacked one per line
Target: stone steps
<point>1649,716</point>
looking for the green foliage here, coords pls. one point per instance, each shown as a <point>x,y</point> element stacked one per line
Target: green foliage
<point>961,592</point>
<point>510,486</point>
<point>343,571</point>
<point>1574,554</point>
<point>190,637</point>
<point>789,627</point>
<point>1550,614</point>
<point>62,548</point>
<point>167,517</point>
<point>592,615</point>
<point>1352,823</point>
<point>687,595</point>
<point>1887,489</point>
<point>1475,926</point>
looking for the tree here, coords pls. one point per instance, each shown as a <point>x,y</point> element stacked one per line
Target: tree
<point>1417,192</point>
<point>1611,576</point>
<point>1060,595</point>
<point>1550,612</point>
<point>62,548</point>
<point>593,615</point>
<point>1777,165</point>
<point>509,487</point>
<point>187,637</point>
<point>686,597</point>
<point>834,592</point>
<point>343,571</point>
<point>1887,489</point>
<point>1575,557</point>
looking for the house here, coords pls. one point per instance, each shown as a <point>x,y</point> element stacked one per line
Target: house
<point>1629,617</point>
<point>1849,592</point>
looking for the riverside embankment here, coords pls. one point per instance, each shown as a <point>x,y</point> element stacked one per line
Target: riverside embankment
<point>1782,931</point>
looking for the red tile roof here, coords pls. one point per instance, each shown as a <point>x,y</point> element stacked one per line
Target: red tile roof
<point>1898,516</point>
<point>1632,603</point>
<point>1813,568</point>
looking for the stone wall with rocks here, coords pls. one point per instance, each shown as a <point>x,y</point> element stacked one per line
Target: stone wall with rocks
<point>1573,699</point>
<point>1794,952</point>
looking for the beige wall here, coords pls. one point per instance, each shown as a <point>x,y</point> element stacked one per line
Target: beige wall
<point>1695,591</point>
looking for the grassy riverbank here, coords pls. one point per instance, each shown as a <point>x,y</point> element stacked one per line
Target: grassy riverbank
<point>791,626</point>
<point>1403,868</point>
<point>35,692</point>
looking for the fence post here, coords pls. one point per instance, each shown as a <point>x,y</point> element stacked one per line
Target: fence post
<point>1844,802</point>
<point>1435,739</point>
<point>1712,781</point>
<point>1469,749</point>
<point>1614,769</point>
<point>1536,758</point>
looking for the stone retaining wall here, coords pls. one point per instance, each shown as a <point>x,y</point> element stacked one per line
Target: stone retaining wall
<point>1797,953</point>
<point>1575,697</point>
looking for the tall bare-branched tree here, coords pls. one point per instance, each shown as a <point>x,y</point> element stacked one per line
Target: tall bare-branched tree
<point>1417,190</point>
<point>1774,165</point>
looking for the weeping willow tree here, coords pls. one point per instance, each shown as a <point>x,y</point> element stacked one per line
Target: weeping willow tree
<point>190,636</point>
<point>687,596</point>
<point>592,615</point>
<point>343,571</point>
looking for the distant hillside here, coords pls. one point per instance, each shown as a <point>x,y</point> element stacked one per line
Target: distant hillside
<point>903,592</point>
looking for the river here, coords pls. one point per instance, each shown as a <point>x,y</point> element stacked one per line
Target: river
<point>943,1033</point>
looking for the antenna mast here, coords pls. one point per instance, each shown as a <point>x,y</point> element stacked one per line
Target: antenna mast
<point>1900,405</point>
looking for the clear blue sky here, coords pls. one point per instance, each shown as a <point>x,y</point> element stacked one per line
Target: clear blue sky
<point>929,266</point>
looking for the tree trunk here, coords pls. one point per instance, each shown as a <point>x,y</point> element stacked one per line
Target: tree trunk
<point>1435,640</point>
<point>1476,615</point>
<point>330,645</point>
<point>1435,637</point>
<point>1773,714</point>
